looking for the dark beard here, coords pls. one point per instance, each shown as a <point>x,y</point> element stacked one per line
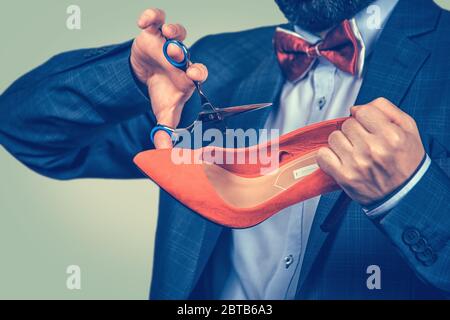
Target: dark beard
<point>320,15</point>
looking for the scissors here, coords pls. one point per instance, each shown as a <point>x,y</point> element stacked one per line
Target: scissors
<point>209,113</point>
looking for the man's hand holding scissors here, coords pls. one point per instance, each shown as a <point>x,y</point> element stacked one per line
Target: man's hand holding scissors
<point>169,88</point>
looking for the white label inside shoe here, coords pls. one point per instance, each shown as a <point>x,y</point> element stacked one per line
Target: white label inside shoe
<point>302,172</point>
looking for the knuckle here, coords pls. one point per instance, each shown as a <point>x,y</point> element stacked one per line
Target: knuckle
<point>150,13</point>
<point>363,112</point>
<point>410,123</point>
<point>395,139</point>
<point>153,13</point>
<point>322,157</point>
<point>345,126</point>
<point>365,108</point>
<point>381,101</point>
<point>348,125</point>
<point>378,152</point>
<point>362,164</point>
<point>348,177</point>
<point>321,154</point>
<point>333,137</point>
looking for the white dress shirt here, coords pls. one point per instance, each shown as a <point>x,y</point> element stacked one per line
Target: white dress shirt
<point>264,262</point>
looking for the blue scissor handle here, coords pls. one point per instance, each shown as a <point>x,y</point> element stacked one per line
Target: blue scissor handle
<point>178,64</point>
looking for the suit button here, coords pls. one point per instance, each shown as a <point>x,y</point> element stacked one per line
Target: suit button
<point>411,236</point>
<point>427,257</point>
<point>420,246</point>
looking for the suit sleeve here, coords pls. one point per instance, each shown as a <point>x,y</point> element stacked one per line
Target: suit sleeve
<point>81,114</point>
<point>419,226</point>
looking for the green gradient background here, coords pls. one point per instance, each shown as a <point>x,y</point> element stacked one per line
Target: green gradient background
<point>105,227</point>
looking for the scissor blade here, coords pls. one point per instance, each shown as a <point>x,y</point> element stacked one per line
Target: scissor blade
<point>232,111</point>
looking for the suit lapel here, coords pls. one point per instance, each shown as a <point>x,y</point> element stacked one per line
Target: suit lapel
<point>397,58</point>
<point>390,71</point>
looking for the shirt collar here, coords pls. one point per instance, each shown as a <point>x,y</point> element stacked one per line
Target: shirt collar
<point>366,20</point>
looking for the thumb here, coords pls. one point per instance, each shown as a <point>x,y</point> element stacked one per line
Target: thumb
<point>163,140</point>
<point>197,72</point>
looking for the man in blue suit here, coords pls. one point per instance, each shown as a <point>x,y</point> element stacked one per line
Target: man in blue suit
<point>86,113</point>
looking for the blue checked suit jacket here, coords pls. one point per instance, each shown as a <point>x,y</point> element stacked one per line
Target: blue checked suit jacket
<point>81,114</point>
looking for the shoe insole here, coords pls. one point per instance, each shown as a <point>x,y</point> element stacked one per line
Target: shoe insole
<point>244,192</point>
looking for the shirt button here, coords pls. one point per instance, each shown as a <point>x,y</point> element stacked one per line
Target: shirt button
<point>322,102</point>
<point>288,261</point>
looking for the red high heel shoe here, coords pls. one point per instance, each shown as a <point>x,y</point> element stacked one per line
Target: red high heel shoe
<point>248,190</point>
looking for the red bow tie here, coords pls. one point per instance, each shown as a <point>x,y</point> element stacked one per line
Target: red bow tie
<point>341,47</point>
